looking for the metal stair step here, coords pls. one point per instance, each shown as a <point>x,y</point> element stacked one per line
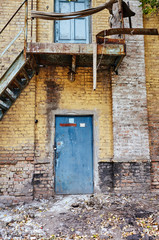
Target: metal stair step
<point>24,72</point>
<point>14,81</point>
<point>4,105</point>
<point>12,72</point>
<point>24,81</point>
<point>30,73</point>
<point>12,95</point>
<point>30,67</point>
<point>6,99</point>
<point>18,83</point>
<point>1,114</point>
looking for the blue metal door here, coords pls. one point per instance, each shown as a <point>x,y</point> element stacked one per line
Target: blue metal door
<point>73,155</point>
<point>74,30</point>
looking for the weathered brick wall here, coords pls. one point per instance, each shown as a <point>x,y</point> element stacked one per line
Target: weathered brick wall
<point>17,146</point>
<point>29,146</point>
<point>130,126</point>
<point>16,182</point>
<point>130,170</point>
<point>17,127</point>
<point>152,81</point>
<point>99,20</point>
<point>56,92</point>
<point>20,137</point>
<point>45,28</point>
<point>130,177</point>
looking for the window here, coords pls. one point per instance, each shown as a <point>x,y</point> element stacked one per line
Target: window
<point>74,30</point>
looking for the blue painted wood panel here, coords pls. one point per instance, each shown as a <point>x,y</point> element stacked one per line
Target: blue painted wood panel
<point>74,30</point>
<point>74,155</point>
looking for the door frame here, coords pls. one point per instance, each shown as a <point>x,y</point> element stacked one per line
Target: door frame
<point>95,122</point>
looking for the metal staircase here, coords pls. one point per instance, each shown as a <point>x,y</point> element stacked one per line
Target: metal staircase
<point>20,72</point>
<point>14,80</point>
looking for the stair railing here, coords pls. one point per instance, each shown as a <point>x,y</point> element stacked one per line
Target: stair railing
<point>25,29</point>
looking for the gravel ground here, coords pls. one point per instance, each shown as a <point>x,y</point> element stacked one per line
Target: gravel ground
<point>98,216</point>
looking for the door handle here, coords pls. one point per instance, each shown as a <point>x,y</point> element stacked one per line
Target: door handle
<point>56,160</point>
<point>56,155</point>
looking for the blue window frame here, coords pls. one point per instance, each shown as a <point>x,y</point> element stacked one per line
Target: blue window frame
<point>74,30</point>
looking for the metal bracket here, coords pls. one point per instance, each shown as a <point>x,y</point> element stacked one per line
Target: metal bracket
<point>72,71</point>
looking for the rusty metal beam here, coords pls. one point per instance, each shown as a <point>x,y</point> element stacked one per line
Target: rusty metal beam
<point>115,41</point>
<point>114,48</point>
<point>130,31</point>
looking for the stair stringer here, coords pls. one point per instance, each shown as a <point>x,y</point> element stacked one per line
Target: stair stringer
<point>14,80</point>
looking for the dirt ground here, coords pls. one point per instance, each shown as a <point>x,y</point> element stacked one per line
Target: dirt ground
<point>98,216</point>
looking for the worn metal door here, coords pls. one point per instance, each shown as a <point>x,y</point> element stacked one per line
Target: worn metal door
<point>73,155</point>
<point>74,30</point>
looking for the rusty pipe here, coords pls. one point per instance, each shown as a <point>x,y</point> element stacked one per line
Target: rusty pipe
<point>26,27</point>
<point>31,22</point>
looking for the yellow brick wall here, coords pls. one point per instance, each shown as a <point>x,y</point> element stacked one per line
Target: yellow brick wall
<point>19,120</point>
<point>7,8</point>
<point>17,147</point>
<point>56,92</point>
<point>45,28</point>
<point>26,144</point>
<point>17,127</point>
<point>99,20</point>
<point>152,81</point>
<point>51,90</point>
